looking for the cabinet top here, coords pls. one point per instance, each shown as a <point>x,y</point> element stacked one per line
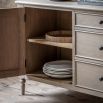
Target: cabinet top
<point>47,4</point>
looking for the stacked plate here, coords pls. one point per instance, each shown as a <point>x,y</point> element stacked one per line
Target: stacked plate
<point>58,69</point>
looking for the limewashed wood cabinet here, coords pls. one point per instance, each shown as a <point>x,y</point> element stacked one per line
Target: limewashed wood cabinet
<point>87,45</point>
<point>28,50</point>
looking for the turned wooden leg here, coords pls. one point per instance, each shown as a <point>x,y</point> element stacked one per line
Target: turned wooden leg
<point>23,81</point>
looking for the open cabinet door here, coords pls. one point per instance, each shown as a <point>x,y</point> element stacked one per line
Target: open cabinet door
<point>12,42</point>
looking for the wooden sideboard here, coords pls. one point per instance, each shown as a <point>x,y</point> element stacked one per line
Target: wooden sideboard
<point>86,50</point>
<point>29,50</point>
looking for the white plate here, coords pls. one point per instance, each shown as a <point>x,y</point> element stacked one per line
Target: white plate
<point>57,70</point>
<point>59,76</point>
<point>59,64</point>
<point>63,70</point>
<point>58,73</point>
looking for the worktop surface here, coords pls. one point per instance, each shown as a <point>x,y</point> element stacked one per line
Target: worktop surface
<point>58,5</point>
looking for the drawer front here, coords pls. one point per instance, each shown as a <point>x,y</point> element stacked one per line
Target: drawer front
<point>89,76</point>
<point>89,45</point>
<point>89,20</point>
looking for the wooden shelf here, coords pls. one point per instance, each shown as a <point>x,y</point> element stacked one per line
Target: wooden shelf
<point>41,77</point>
<point>45,42</point>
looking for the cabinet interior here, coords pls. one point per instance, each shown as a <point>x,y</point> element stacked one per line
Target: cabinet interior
<point>40,21</point>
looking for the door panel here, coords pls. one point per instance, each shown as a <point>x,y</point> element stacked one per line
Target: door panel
<point>10,39</point>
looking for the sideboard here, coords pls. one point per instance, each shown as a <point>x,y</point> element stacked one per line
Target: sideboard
<point>86,50</point>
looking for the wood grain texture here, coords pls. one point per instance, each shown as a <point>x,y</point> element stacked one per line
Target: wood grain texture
<point>45,42</point>
<point>9,48</point>
<point>41,77</point>
<point>10,41</point>
<point>39,22</point>
<point>22,41</point>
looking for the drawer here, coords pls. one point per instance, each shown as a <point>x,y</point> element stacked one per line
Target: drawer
<point>89,20</point>
<point>89,76</point>
<point>89,45</point>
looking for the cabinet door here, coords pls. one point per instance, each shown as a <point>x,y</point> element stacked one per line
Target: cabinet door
<point>11,41</point>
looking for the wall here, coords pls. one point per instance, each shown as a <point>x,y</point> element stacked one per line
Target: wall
<point>7,4</point>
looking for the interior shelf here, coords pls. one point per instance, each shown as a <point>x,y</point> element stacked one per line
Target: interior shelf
<point>41,77</point>
<point>45,42</point>
<point>46,21</point>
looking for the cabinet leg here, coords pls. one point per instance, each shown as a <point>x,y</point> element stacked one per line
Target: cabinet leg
<point>23,81</point>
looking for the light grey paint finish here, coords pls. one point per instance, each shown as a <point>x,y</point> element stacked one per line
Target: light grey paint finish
<point>89,45</point>
<point>88,76</point>
<point>90,20</point>
<point>58,5</point>
<point>88,62</point>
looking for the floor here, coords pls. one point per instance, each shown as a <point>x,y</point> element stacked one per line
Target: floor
<point>40,93</point>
